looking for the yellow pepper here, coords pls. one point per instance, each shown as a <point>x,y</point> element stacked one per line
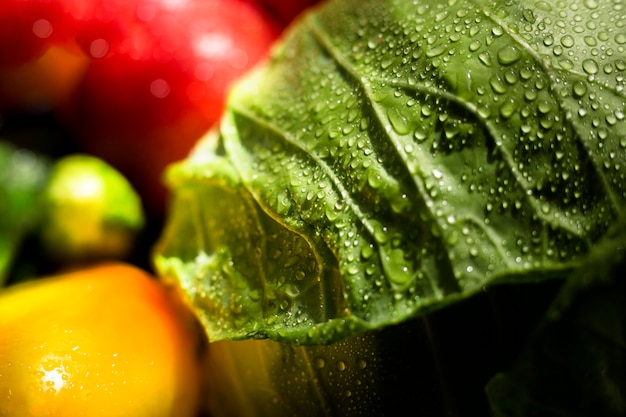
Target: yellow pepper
<point>109,340</point>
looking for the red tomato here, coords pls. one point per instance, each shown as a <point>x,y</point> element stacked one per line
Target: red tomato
<point>103,27</point>
<point>41,41</point>
<point>145,104</point>
<point>29,27</point>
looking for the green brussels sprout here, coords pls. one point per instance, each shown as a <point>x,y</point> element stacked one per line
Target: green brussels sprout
<point>90,211</point>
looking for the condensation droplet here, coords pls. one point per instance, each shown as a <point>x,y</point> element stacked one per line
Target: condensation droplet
<point>420,134</point>
<point>548,40</point>
<point>507,109</point>
<point>590,41</point>
<point>398,121</point>
<point>375,42</point>
<point>319,362</point>
<point>544,107</point>
<point>567,41</point>
<point>474,45</point>
<point>529,15</point>
<point>590,66</point>
<point>530,94</point>
<point>508,55</point>
<point>436,51</point>
<point>543,5</point>
<point>525,73</point>
<point>579,89</point>
<point>485,58</point>
<point>497,85</point>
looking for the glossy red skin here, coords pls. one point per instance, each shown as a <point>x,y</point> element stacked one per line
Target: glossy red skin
<point>157,79</point>
<point>101,27</point>
<point>45,43</point>
<point>147,101</point>
<point>29,27</point>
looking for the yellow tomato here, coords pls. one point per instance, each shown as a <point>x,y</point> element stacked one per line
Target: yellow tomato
<point>106,341</point>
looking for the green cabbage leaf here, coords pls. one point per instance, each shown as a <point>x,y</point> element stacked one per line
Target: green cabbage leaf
<point>393,157</point>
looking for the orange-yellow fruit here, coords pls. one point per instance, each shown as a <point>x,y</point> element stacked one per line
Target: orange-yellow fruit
<point>105,341</point>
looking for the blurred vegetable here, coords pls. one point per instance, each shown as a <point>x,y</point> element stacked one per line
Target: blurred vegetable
<point>356,208</point>
<point>23,175</point>
<point>105,341</point>
<point>146,76</point>
<point>90,211</point>
<point>165,84</point>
